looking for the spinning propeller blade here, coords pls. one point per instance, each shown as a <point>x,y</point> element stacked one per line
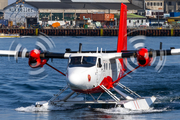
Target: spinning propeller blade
<point>43,44</point>
<point>138,42</point>
<point>17,47</point>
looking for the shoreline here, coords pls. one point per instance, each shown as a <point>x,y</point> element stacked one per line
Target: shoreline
<point>92,32</point>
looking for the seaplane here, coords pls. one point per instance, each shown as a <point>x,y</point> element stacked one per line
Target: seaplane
<point>95,72</point>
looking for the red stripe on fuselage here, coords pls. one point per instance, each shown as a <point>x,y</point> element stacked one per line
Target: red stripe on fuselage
<point>134,104</point>
<point>137,104</point>
<point>107,82</point>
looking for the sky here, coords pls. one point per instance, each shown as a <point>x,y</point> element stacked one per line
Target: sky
<point>11,1</point>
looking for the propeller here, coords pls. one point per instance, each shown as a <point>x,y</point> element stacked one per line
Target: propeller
<point>138,42</point>
<point>43,44</point>
<point>15,46</point>
<point>142,59</point>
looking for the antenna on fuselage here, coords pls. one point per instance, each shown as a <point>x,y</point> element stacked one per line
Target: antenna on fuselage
<point>101,50</point>
<point>80,47</point>
<point>97,50</point>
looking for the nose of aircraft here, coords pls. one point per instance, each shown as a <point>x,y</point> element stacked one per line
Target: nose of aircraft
<point>81,79</point>
<point>76,80</point>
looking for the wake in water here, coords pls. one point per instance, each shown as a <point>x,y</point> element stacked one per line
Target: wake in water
<point>32,108</point>
<point>44,108</point>
<point>118,110</point>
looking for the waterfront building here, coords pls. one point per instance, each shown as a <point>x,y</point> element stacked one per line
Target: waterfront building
<point>19,11</point>
<point>151,8</point>
<point>155,4</point>
<point>171,6</point>
<point>3,4</point>
<point>134,20</point>
<point>62,11</point>
<point>165,6</point>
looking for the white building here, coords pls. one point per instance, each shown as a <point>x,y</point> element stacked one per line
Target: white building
<point>62,10</point>
<point>3,4</point>
<point>17,12</point>
<point>135,20</point>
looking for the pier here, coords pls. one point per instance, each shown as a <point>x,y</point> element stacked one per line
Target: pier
<point>92,32</point>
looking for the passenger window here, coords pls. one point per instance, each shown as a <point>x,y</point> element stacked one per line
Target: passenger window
<point>99,63</point>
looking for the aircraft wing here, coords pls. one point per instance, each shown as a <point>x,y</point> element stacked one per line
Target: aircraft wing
<point>111,54</point>
<point>8,53</point>
<point>150,53</point>
<point>27,54</point>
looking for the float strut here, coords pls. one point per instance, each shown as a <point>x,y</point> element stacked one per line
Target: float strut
<point>68,96</point>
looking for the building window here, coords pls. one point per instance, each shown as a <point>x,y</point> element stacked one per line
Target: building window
<point>141,21</point>
<point>178,3</point>
<point>137,21</point>
<point>69,16</point>
<point>151,3</point>
<point>161,4</point>
<point>157,4</point>
<point>154,4</point>
<point>170,3</point>
<point>44,15</point>
<point>57,16</point>
<point>129,21</point>
<point>147,3</point>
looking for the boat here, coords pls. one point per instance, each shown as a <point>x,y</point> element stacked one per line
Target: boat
<point>2,35</point>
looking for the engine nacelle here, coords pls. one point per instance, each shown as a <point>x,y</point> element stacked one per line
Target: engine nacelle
<point>35,60</point>
<point>143,57</point>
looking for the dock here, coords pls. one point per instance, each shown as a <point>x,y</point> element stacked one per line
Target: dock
<point>92,32</point>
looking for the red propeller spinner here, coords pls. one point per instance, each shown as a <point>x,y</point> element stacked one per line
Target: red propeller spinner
<point>35,60</point>
<point>143,57</point>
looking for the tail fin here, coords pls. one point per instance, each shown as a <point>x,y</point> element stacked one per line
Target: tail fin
<point>122,36</point>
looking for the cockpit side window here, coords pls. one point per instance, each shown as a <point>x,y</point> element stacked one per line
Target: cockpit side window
<point>89,60</point>
<point>75,61</point>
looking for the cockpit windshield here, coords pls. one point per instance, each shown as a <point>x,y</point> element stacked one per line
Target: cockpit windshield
<point>82,61</point>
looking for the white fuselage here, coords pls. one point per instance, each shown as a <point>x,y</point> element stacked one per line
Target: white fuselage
<point>86,71</point>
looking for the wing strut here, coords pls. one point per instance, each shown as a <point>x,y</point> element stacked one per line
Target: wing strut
<point>55,69</point>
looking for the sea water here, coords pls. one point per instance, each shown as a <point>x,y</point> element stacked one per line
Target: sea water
<point>18,94</point>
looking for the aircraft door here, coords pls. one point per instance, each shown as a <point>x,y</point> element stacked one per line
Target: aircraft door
<point>99,70</point>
